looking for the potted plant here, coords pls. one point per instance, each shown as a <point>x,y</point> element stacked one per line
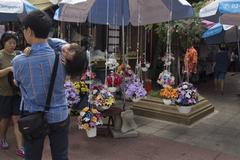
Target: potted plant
<point>168,94</point>
<point>88,120</point>
<point>187,96</point>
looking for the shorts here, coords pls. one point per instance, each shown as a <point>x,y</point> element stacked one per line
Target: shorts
<point>9,106</point>
<point>219,75</point>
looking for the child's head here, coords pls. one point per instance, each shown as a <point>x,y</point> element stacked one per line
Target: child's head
<point>36,25</point>
<point>76,59</point>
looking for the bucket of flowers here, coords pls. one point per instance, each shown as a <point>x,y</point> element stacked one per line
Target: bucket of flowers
<point>113,81</point>
<point>71,94</point>
<point>166,78</point>
<point>134,89</point>
<point>101,97</point>
<point>187,96</point>
<point>89,119</point>
<point>88,76</point>
<point>168,94</point>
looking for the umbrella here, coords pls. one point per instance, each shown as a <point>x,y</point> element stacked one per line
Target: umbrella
<point>221,34</point>
<point>121,12</point>
<point>223,11</point>
<point>12,10</point>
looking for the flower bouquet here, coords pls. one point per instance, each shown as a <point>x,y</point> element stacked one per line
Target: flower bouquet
<point>81,87</point>
<point>71,94</point>
<point>88,76</point>
<point>187,96</point>
<point>124,70</point>
<point>168,94</point>
<point>134,89</point>
<point>101,97</point>
<point>165,78</point>
<point>90,118</point>
<point>113,81</point>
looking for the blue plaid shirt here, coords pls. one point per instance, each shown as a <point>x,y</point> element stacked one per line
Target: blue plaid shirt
<point>33,74</point>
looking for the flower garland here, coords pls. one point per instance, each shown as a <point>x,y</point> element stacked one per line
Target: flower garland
<point>89,118</point>
<point>71,94</point>
<point>187,94</point>
<point>134,89</point>
<point>101,97</point>
<point>169,93</point>
<point>165,78</point>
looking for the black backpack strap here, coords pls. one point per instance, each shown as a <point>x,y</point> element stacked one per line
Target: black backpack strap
<point>53,77</point>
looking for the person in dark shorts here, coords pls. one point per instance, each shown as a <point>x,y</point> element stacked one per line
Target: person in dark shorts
<point>220,68</point>
<point>9,98</point>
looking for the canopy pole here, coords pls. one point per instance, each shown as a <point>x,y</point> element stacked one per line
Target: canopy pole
<point>123,56</point>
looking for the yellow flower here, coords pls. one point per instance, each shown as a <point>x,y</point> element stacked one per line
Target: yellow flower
<point>85,126</point>
<point>94,111</point>
<point>94,119</point>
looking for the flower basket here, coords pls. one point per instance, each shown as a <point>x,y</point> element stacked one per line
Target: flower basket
<point>168,94</point>
<point>187,96</point>
<point>113,81</point>
<point>134,89</point>
<point>91,132</point>
<point>88,77</point>
<point>184,109</point>
<point>71,94</point>
<point>112,89</point>
<point>101,98</point>
<point>167,101</point>
<point>90,118</point>
<point>136,99</point>
<point>165,78</point>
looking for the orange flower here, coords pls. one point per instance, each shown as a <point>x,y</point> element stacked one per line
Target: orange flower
<point>168,92</point>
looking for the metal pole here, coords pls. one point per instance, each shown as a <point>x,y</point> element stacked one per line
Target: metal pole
<point>123,54</point>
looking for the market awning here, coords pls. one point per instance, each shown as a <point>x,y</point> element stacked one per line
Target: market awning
<point>43,4</point>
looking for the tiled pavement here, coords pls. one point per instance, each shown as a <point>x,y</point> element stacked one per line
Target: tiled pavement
<point>216,137</point>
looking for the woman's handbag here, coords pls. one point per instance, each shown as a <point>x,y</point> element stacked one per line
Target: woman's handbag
<point>34,125</point>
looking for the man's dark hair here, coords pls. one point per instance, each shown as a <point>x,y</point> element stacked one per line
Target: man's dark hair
<point>39,22</point>
<point>8,35</point>
<point>79,63</point>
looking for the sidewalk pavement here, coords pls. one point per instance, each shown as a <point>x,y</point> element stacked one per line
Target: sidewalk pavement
<point>216,137</point>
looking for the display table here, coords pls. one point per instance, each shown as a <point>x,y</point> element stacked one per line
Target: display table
<point>153,107</point>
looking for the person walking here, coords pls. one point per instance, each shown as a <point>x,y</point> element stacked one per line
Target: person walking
<point>220,68</point>
<point>9,98</point>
